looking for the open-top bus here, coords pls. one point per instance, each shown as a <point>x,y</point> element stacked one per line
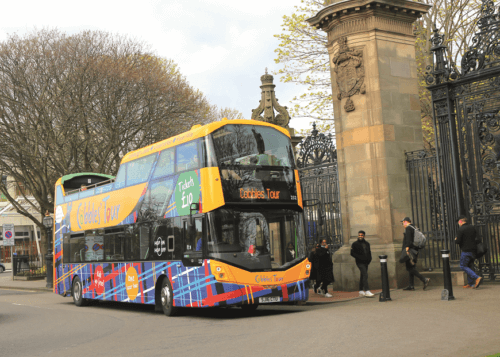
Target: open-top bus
<point>211,217</point>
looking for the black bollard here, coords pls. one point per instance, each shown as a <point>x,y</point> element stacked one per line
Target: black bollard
<point>14,264</point>
<point>385,295</point>
<point>447,293</point>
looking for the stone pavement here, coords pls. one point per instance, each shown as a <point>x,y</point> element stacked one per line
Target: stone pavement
<point>6,282</point>
<point>339,296</point>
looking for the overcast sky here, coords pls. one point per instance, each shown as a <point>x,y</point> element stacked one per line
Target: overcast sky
<point>221,46</point>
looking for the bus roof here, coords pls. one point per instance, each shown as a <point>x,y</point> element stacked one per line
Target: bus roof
<point>197,131</point>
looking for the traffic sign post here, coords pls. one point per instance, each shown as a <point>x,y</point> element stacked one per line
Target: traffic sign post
<point>8,235</point>
<point>8,241</point>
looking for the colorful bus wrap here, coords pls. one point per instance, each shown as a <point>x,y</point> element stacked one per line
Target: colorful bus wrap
<point>211,217</point>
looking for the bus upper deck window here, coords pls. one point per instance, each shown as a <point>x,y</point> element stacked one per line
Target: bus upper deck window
<point>138,170</point>
<point>187,156</point>
<point>120,178</point>
<point>165,165</point>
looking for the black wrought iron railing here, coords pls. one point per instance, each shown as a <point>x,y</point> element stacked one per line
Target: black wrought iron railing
<point>28,266</point>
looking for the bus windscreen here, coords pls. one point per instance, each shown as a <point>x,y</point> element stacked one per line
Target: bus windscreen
<point>256,164</point>
<point>276,233</point>
<point>246,145</point>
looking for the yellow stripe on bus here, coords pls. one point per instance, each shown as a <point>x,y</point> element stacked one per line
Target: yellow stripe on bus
<point>211,189</point>
<point>170,210</point>
<point>65,275</point>
<point>246,292</point>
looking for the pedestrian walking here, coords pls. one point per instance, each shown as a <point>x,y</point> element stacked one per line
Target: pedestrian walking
<point>313,258</point>
<point>361,251</point>
<point>324,272</point>
<point>466,239</point>
<point>412,251</point>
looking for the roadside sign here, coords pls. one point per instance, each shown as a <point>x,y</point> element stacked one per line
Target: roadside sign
<point>8,235</point>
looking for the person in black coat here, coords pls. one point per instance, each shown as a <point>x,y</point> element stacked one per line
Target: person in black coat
<point>324,271</point>
<point>361,251</point>
<point>313,258</point>
<point>466,239</point>
<point>412,250</point>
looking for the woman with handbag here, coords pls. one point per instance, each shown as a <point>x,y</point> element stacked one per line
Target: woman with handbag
<point>324,272</point>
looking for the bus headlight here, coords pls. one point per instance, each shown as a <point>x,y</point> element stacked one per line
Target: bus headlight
<point>221,272</point>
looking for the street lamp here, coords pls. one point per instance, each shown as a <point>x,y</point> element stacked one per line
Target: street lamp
<point>48,222</point>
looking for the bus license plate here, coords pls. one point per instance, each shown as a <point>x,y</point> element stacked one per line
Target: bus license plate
<point>268,299</point>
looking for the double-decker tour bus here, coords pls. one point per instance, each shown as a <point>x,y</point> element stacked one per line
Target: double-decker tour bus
<point>210,217</point>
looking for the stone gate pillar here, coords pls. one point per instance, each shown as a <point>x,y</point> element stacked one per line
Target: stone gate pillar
<point>377,118</point>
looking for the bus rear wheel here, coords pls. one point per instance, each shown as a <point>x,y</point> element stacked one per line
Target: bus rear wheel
<point>77,292</point>
<point>167,298</point>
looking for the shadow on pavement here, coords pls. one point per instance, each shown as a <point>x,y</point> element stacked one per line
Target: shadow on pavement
<point>211,312</point>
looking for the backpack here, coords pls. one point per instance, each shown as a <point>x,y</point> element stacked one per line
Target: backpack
<point>419,238</point>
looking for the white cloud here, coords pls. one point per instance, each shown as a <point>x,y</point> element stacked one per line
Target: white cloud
<point>221,46</point>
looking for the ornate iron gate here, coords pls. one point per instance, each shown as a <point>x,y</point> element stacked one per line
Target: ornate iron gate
<point>427,201</point>
<point>466,178</point>
<point>319,179</point>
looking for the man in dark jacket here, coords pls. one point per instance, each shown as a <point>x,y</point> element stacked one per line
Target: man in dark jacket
<point>466,239</point>
<point>409,247</point>
<point>360,250</point>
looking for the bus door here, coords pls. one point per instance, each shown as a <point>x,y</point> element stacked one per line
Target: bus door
<point>276,233</point>
<point>283,244</point>
<point>192,241</point>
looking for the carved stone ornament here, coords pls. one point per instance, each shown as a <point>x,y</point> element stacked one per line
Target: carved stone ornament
<point>269,103</point>
<point>350,70</point>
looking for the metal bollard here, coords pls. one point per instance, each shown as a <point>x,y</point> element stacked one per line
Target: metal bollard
<point>447,293</point>
<point>385,295</point>
<point>14,265</point>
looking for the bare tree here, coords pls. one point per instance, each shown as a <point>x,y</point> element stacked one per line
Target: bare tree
<point>78,103</point>
<point>228,113</point>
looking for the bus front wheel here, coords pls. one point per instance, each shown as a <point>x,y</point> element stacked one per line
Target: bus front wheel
<point>167,298</point>
<point>77,292</point>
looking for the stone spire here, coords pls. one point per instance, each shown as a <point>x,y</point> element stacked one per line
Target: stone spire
<point>269,103</point>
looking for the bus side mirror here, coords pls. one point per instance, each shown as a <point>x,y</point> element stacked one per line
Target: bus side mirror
<point>311,203</point>
<point>194,207</point>
<point>315,202</point>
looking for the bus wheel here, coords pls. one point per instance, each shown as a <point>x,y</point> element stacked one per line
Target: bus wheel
<point>250,307</point>
<point>167,298</point>
<point>77,292</point>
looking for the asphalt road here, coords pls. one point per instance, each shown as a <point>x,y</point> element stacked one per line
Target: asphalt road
<point>413,324</point>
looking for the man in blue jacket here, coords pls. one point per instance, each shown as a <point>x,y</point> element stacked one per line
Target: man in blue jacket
<point>466,239</point>
<point>361,251</point>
